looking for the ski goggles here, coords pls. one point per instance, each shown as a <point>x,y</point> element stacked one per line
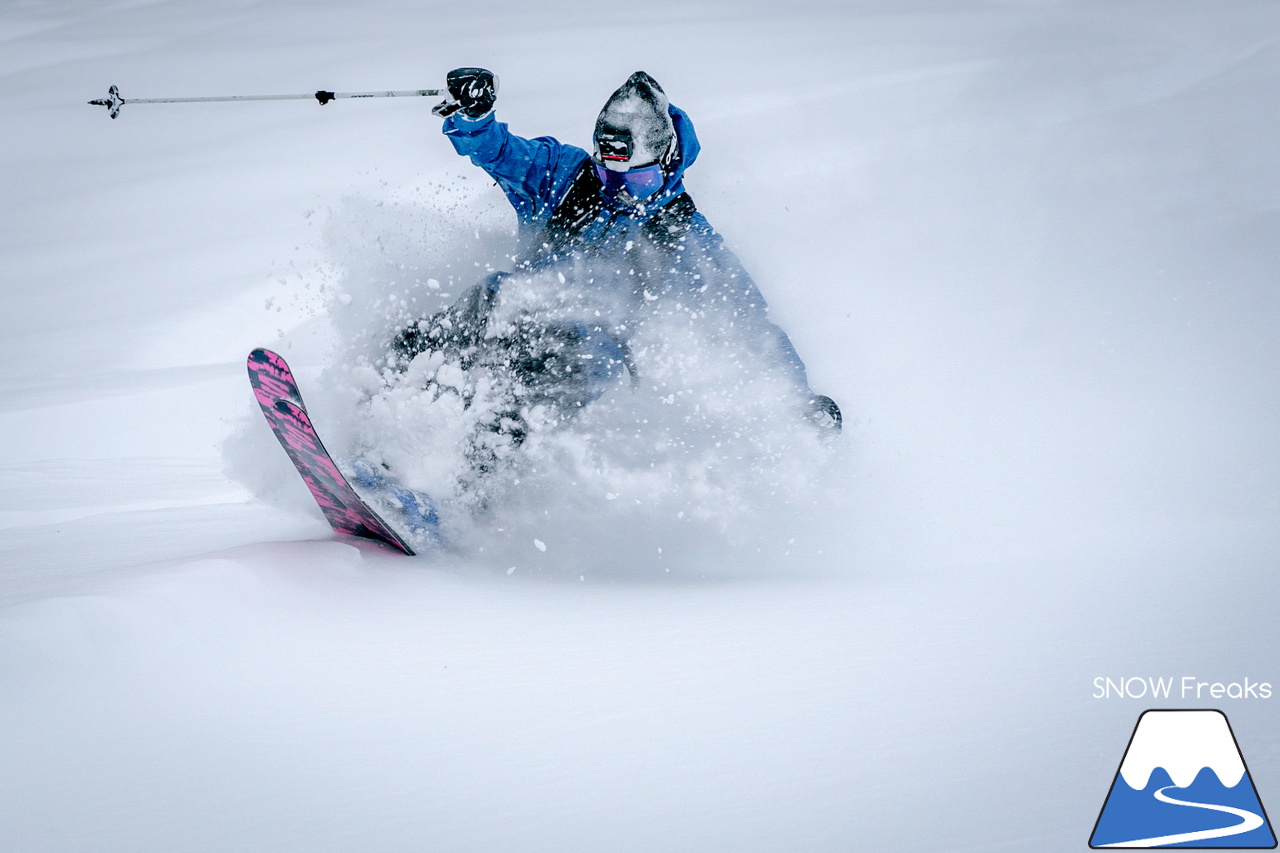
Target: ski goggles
<point>639,183</point>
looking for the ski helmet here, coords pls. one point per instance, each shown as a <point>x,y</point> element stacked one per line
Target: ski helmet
<point>634,128</point>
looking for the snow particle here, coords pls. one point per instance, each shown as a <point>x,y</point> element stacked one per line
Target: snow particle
<point>540,545</point>
<point>511,570</point>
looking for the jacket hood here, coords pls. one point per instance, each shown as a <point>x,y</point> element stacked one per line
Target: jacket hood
<point>687,146</point>
<point>686,151</point>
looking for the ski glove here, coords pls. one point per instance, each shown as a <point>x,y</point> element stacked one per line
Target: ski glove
<point>472,90</point>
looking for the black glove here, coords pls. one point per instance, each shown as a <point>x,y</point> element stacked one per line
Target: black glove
<point>472,90</point>
<point>824,413</point>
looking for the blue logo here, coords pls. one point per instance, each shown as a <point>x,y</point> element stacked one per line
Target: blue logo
<point>1183,783</point>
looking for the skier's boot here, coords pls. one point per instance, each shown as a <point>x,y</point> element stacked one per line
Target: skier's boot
<point>418,511</point>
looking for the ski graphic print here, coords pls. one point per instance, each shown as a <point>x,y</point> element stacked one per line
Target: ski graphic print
<point>277,393</point>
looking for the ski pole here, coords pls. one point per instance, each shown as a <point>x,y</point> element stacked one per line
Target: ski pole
<point>113,102</point>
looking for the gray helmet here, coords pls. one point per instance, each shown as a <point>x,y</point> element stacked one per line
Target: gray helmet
<point>634,128</point>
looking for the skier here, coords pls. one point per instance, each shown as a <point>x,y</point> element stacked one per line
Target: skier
<point>623,212</point>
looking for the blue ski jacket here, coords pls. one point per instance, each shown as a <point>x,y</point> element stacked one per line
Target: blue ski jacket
<point>537,174</point>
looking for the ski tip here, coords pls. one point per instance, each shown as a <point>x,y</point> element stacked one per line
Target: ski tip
<point>262,355</point>
<point>263,362</point>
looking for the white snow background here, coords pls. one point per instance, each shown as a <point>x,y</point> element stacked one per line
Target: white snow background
<point>1031,247</point>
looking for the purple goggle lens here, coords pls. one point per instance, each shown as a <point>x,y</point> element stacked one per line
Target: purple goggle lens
<point>639,183</point>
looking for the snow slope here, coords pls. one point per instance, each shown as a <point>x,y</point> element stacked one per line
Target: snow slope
<point>1030,246</point>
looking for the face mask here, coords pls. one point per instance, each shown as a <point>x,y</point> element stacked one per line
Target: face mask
<point>639,183</point>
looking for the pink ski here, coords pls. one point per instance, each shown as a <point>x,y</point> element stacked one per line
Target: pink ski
<point>277,393</point>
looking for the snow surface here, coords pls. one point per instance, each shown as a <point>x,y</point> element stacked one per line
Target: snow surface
<point>1031,247</point>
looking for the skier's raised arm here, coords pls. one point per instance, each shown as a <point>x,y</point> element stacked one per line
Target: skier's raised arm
<point>534,173</point>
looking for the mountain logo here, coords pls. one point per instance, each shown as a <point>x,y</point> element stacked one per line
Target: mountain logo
<point>1183,783</point>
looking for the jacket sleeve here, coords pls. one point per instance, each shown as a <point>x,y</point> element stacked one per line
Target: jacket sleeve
<point>534,173</point>
<point>744,300</point>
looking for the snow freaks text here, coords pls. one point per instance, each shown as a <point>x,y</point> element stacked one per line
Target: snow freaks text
<point>1186,687</point>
